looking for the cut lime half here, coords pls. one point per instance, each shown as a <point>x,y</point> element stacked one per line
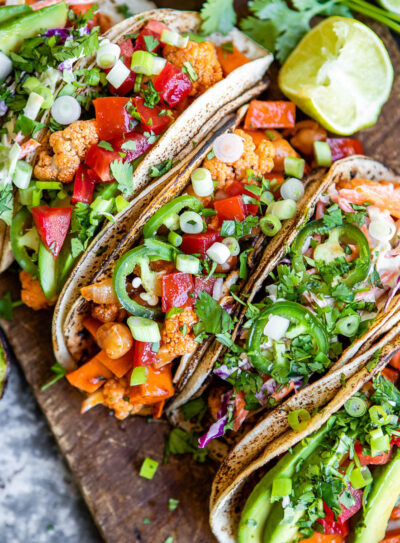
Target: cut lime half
<point>340,74</point>
<point>391,5</point>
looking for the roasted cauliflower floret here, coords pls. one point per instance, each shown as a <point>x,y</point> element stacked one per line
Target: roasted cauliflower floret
<point>220,171</point>
<point>69,147</point>
<point>203,58</point>
<point>249,158</point>
<point>116,397</point>
<point>265,152</point>
<point>32,294</point>
<point>177,337</point>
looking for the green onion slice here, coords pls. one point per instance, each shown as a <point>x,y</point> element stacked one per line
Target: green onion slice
<point>139,376</point>
<point>355,407</point>
<point>298,420</point>
<point>270,225</point>
<point>148,468</point>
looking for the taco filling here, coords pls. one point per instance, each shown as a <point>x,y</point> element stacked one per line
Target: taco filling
<point>340,484</point>
<point>342,270</point>
<point>176,288</point>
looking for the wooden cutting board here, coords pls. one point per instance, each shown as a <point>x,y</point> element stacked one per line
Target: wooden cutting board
<point>105,455</point>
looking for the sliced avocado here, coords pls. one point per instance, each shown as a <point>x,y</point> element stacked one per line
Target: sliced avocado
<point>15,31</point>
<point>47,272</point>
<point>258,506</point>
<point>12,12</point>
<point>383,495</point>
<point>277,531</point>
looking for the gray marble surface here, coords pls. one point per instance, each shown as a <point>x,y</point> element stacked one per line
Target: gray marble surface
<point>39,502</point>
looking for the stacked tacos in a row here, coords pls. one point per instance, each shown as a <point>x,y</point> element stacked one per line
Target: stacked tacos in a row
<point>119,112</point>
<point>173,282</point>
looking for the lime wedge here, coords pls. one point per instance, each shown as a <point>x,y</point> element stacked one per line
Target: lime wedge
<point>340,74</point>
<point>391,5</point>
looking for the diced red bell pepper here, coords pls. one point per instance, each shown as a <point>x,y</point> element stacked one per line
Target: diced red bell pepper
<point>83,185</point>
<point>153,28</point>
<point>112,118</point>
<point>172,84</point>
<point>141,142</point>
<point>198,243</point>
<point>332,526</point>
<point>237,188</point>
<point>366,459</point>
<point>395,514</point>
<point>81,9</point>
<point>391,374</point>
<point>126,55</point>
<point>150,116</point>
<point>143,354</point>
<point>158,387</point>
<point>348,512</point>
<point>204,284</point>
<point>52,224</point>
<point>176,290</point>
<point>342,147</point>
<point>271,114</point>
<point>99,160</point>
<point>230,208</point>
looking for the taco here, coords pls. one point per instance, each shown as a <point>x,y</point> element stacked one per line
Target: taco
<point>172,283</point>
<point>335,478</point>
<point>310,310</point>
<point>129,105</point>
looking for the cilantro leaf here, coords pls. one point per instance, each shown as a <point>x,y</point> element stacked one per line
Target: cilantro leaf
<point>59,372</point>
<point>218,16</point>
<point>213,319</point>
<point>181,442</point>
<point>7,306</point>
<point>160,169</point>
<point>194,408</point>
<point>385,391</point>
<point>123,173</point>
<point>105,145</point>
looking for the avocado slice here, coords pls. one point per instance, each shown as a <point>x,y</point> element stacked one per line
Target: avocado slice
<point>277,531</point>
<point>15,31</point>
<point>383,495</point>
<point>258,506</point>
<point>12,12</point>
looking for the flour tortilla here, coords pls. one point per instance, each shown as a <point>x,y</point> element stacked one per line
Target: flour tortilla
<point>227,500</point>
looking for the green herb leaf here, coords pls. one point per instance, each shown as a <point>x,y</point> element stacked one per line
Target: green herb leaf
<point>106,145</point>
<point>181,442</point>
<point>123,174</point>
<point>218,16</point>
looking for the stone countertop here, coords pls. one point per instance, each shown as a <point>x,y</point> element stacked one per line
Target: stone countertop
<point>39,501</point>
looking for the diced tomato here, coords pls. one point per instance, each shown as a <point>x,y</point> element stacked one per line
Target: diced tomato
<point>153,28</point>
<point>198,243</point>
<point>395,360</point>
<point>395,515</point>
<point>390,374</point>
<point>348,512</point>
<point>52,224</point>
<point>395,440</point>
<point>230,60</point>
<point>366,459</point>
<point>172,84</point>
<point>237,188</point>
<point>112,118</point>
<point>392,536</point>
<point>230,208</point>
<point>81,9</point>
<point>271,114</point>
<point>342,147</point>
<point>143,355</point>
<point>332,526</point>
<point>99,160</point>
<point>83,185</point>
<point>141,146</point>
<point>157,388</point>
<point>202,284</point>
<point>176,290</point>
<point>150,116</point>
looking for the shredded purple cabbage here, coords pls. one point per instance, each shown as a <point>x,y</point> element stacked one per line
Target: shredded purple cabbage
<point>266,390</point>
<point>66,65</point>
<point>62,33</point>
<point>217,429</point>
<point>392,294</point>
<point>3,108</point>
<point>224,372</point>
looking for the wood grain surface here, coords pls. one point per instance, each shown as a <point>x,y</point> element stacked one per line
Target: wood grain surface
<point>105,455</point>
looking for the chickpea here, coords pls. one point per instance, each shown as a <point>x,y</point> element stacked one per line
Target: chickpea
<point>115,339</point>
<point>305,133</point>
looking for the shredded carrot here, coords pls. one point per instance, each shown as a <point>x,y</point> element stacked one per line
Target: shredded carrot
<point>231,61</point>
<point>283,392</point>
<point>29,146</point>
<point>240,413</point>
<point>324,538</point>
<point>89,377</point>
<point>383,194</point>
